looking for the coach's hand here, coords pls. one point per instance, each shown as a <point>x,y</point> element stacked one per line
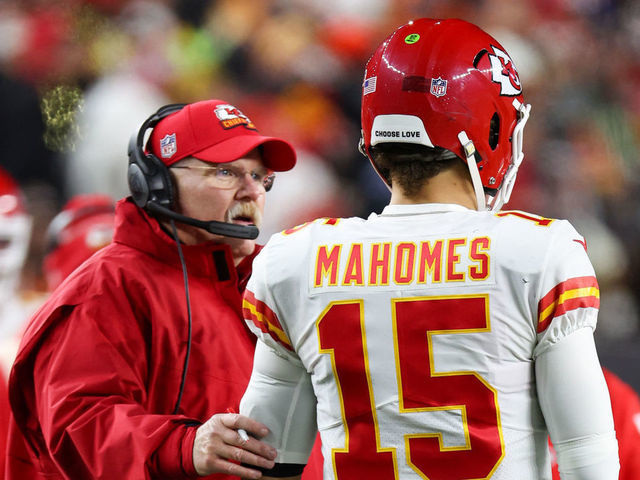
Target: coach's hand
<point>219,448</point>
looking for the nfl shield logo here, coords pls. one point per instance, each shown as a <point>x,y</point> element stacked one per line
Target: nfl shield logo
<point>438,87</point>
<point>168,146</point>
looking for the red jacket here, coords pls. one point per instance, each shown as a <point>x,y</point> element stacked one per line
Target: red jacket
<point>98,371</point>
<point>625,405</point>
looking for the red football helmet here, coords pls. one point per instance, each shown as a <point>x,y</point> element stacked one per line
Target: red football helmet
<point>83,226</point>
<point>447,83</point>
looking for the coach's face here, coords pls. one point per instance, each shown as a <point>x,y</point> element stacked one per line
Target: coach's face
<point>231,192</point>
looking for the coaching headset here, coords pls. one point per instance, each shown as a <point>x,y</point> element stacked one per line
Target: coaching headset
<point>152,188</point>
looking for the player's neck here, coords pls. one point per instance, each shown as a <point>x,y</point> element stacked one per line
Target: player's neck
<point>450,186</point>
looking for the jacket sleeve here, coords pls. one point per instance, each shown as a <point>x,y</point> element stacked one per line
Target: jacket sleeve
<point>89,379</point>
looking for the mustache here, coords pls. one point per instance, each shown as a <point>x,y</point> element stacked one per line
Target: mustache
<point>247,210</point>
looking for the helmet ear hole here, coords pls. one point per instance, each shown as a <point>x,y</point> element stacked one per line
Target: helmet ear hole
<point>494,131</point>
<point>478,57</point>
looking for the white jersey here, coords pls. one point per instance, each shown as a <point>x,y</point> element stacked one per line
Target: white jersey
<point>418,330</point>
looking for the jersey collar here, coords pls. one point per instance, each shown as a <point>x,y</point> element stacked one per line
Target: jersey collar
<point>421,209</point>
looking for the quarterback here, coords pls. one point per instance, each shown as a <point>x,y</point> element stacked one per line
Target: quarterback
<point>444,338</point>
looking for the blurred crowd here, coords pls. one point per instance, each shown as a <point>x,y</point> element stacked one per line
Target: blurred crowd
<point>77,78</point>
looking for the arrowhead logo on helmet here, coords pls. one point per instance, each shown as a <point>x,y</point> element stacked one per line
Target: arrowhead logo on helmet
<point>504,72</point>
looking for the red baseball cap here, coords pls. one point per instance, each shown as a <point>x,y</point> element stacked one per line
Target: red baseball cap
<point>217,132</point>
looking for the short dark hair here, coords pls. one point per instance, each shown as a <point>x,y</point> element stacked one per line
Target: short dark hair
<point>409,164</point>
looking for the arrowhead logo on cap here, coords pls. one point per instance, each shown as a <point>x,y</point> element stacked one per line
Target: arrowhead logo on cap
<point>230,117</point>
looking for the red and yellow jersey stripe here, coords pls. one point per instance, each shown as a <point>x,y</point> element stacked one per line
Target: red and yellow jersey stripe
<point>579,292</point>
<point>264,318</point>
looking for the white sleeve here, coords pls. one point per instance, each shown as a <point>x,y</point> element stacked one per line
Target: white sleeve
<point>280,395</point>
<point>577,409</point>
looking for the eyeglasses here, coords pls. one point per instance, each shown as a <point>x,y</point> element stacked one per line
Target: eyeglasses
<point>228,177</point>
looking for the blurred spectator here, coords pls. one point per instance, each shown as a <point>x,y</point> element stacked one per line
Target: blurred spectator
<point>15,231</point>
<point>119,100</point>
<point>24,154</point>
<point>83,227</point>
<point>35,53</point>
<point>307,192</point>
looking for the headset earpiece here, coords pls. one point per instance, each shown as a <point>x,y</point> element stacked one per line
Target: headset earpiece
<point>149,179</point>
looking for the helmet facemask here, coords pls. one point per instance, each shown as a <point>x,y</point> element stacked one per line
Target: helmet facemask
<point>495,201</point>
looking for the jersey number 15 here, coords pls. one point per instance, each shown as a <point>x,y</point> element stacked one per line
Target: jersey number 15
<point>416,320</point>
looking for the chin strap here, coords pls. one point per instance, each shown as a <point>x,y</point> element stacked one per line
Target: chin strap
<point>469,150</point>
<point>504,192</point>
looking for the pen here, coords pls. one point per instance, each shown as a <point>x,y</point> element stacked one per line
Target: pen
<point>241,431</point>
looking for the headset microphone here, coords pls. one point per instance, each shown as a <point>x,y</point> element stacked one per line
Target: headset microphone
<point>249,232</point>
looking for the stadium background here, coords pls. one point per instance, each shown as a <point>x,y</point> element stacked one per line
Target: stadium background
<point>78,76</point>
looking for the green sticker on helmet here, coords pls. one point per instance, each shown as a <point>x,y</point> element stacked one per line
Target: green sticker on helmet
<point>411,38</point>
